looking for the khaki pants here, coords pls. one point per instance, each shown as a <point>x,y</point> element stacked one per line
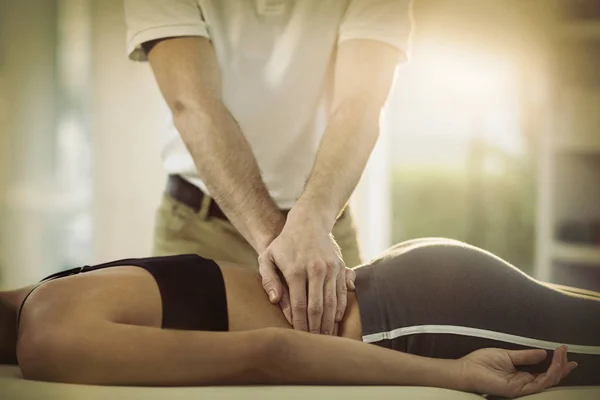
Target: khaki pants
<point>181,230</point>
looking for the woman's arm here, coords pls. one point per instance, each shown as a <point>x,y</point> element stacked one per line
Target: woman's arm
<point>110,353</point>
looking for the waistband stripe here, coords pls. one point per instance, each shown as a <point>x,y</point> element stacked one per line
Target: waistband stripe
<point>480,333</point>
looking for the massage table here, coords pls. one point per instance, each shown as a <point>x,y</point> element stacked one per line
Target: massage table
<point>13,386</point>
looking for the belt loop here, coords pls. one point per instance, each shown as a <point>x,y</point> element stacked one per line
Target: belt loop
<point>203,212</point>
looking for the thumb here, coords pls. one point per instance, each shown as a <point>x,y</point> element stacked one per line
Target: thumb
<point>350,279</point>
<point>270,278</point>
<point>527,357</point>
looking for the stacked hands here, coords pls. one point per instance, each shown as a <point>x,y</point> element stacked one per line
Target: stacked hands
<point>309,260</point>
<point>302,270</point>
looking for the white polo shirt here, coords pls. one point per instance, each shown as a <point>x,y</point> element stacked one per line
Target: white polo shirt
<point>276,59</point>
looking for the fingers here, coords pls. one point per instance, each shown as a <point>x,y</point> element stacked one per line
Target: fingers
<point>558,369</point>
<point>297,289</point>
<point>566,366</point>
<point>527,357</point>
<point>336,295</point>
<point>552,376</point>
<point>571,365</point>
<point>270,279</point>
<point>286,305</point>
<point>341,294</point>
<point>317,275</point>
<point>329,303</point>
<point>350,279</point>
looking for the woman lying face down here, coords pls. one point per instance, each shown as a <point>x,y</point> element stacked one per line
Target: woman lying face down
<point>428,312</point>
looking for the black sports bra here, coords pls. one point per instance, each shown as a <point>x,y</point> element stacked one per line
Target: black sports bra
<point>191,287</point>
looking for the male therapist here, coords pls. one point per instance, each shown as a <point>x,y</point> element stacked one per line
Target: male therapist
<point>274,111</point>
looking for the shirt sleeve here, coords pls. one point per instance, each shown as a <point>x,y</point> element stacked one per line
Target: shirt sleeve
<point>156,19</point>
<point>386,21</point>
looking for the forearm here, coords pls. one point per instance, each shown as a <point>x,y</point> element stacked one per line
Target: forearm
<point>343,153</point>
<point>225,162</point>
<point>118,354</point>
<point>364,74</point>
<point>188,75</point>
<point>306,358</point>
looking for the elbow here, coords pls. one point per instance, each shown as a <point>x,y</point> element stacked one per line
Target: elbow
<point>196,116</point>
<point>46,354</point>
<point>36,355</point>
<point>268,361</point>
<point>180,107</point>
<point>365,107</point>
<point>201,105</point>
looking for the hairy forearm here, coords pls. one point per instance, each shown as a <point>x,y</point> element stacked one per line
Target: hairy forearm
<point>227,166</point>
<point>188,75</point>
<point>343,153</point>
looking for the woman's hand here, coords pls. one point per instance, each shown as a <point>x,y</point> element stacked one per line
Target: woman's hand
<point>494,371</point>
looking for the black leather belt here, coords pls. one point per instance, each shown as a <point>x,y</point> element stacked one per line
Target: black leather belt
<point>190,195</point>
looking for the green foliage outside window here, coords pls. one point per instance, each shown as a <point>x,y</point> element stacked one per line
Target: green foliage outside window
<point>495,211</point>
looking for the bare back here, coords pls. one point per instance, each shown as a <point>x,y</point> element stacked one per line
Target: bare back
<point>130,295</point>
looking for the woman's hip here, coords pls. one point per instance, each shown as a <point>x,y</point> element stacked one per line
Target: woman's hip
<point>436,288</point>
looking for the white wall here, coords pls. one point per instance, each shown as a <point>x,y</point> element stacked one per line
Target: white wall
<point>27,101</point>
<point>128,177</point>
<point>371,201</point>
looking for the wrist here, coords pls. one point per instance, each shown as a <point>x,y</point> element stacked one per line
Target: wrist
<point>319,214</point>
<point>447,374</point>
<point>267,230</point>
<point>463,377</point>
<point>457,377</point>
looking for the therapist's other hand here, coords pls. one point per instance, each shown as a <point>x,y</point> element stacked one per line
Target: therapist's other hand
<point>310,262</point>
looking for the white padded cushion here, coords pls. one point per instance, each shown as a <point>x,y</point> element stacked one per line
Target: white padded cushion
<point>12,386</point>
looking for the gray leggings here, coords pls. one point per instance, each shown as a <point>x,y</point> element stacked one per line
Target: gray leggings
<point>443,298</point>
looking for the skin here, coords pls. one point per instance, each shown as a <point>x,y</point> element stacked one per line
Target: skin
<point>305,250</point>
<point>103,327</point>
<point>300,247</point>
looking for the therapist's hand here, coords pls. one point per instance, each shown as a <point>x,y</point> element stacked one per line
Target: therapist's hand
<point>309,260</point>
